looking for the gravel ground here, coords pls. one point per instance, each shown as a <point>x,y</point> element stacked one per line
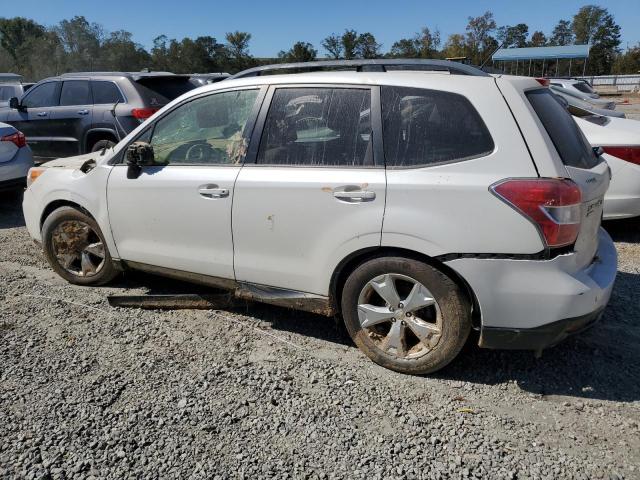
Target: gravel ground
<point>87,391</point>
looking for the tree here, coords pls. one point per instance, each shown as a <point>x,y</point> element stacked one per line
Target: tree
<point>405,48</point>
<point>455,46</point>
<point>424,44</point>
<point>237,49</point>
<point>120,52</point>
<point>628,62</point>
<point>513,36</point>
<point>367,47</point>
<point>562,34</point>
<point>595,25</point>
<point>15,32</point>
<point>299,52</point>
<point>351,45</point>
<point>480,43</point>
<point>333,45</point>
<point>81,40</point>
<point>538,39</point>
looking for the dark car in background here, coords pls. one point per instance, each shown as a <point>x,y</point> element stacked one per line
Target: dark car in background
<point>200,79</point>
<point>8,90</point>
<point>78,113</point>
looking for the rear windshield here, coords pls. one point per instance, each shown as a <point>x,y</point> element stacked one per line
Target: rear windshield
<point>584,87</point>
<point>158,91</point>
<point>572,146</point>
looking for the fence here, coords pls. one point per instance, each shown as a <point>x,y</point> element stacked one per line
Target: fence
<point>623,83</point>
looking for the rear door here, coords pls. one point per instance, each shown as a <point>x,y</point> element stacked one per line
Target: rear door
<point>590,172</point>
<point>37,122</point>
<point>72,119</point>
<point>315,189</point>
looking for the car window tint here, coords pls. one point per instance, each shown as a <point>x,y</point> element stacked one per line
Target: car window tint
<point>75,92</point>
<point>43,95</point>
<point>158,91</point>
<point>426,127</point>
<point>584,87</point>
<point>105,92</point>
<point>207,130</point>
<point>572,146</point>
<point>6,93</point>
<point>318,126</point>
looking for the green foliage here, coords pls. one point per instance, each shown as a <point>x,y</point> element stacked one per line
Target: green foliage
<point>513,37</point>
<point>538,39</point>
<point>628,62</point>
<point>352,45</point>
<point>424,44</point>
<point>480,43</point>
<point>595,25</point>
<point>299,52</point>
<point>562,34</point>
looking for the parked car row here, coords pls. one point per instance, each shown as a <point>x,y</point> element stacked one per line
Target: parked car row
<point>417,206</point>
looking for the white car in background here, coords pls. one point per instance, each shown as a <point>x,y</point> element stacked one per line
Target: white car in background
<point>15,158</point>
<point>620,141</point>
<point>595,102</point>
<point>579,87</point>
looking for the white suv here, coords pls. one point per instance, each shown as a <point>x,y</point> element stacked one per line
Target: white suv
<point>419,205</point>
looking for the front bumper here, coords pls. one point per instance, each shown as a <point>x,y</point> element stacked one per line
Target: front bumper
<point>531,304</point>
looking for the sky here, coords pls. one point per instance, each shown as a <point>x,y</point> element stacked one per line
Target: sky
<point>276,25</point>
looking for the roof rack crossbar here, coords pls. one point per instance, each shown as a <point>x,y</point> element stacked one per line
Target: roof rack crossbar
<point>367,65</point>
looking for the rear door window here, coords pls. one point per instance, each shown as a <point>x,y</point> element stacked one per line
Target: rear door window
<point>157,91</point>
<point>43,95</point>
<point>75,92</point>
<point>584,87</point>
<point>105,92</point>
<point>318,127</point>
<point>572,146</point>
<point>426,127</point>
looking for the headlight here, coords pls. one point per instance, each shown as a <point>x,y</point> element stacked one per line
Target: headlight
<point>33,175</point>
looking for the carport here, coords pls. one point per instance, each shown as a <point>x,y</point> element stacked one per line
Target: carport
<point>526,61</point>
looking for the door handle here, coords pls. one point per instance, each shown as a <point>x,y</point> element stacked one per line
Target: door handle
<point>212,191</point>
<point>42,114</point>
<point>83,112</point>
<point>355,195</point>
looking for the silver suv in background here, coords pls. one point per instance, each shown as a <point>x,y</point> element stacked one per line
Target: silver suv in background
<point>419,205</point>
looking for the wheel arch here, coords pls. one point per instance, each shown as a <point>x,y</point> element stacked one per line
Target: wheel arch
<point>352,261</point>
<point>96,134</point>
<point>55,204</point>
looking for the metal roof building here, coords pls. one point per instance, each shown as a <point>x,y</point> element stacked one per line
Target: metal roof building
<point>553,55</point>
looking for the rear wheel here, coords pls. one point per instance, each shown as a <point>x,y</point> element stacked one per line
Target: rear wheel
<point>100,144</point>
<point>75,248</point>
<point>405,315</point>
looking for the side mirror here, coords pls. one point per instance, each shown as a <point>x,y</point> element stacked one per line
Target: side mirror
<point>15,104</point>
<point>140,154</point>
<point>598,151</point>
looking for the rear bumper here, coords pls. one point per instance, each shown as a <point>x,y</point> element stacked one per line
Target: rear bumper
<point>13,174</point>
<point>539,337</point>
<point>530,304</point>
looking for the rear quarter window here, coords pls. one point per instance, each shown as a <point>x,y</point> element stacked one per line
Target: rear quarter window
<point>572,146</point>
<point>427,127</point>
<point>157,91</point>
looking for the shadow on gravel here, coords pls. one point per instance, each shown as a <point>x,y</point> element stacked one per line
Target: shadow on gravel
<point>627,230</point>
<point>11,210</point>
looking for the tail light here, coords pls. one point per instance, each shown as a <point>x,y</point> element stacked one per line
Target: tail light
<point>545,82</point>
<point>18,139</point>
<point>143,113</point>
<point>552,204</point>
<point>629,154</point>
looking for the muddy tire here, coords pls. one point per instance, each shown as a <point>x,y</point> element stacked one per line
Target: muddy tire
<point>100,144</point>
<point>405,315</point>
<point>75,248</point>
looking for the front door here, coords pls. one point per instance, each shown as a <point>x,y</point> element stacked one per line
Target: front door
<point>36,121</point>
<point>73,118</point>
<point>177,213</point>
<point>315,192</point>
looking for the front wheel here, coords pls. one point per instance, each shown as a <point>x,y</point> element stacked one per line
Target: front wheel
<point>75,248</point>
<point>405,315</point>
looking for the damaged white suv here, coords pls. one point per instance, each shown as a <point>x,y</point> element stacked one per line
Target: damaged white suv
<point>417,204</point>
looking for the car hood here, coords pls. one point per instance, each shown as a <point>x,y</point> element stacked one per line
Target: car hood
<point>77,161</point>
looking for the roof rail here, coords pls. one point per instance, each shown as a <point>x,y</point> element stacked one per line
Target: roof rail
<point>367,65</point>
